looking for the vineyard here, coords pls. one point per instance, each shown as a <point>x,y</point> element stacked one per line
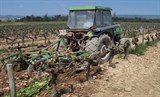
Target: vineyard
<point>23,44</point>
<point>42,33</point>
<point>28,32</point>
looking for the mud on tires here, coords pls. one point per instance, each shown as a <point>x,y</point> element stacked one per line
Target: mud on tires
<point>98,47</point>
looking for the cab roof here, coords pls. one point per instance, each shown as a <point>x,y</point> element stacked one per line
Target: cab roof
<point>89,8</point>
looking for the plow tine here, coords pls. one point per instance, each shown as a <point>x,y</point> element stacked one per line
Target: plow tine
<point>7,57</point>
<point>50,45</point>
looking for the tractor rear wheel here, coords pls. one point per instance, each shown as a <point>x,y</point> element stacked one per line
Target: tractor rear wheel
<point>98,47</point>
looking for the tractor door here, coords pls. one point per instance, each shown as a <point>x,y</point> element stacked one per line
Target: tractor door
<point>103,18</point>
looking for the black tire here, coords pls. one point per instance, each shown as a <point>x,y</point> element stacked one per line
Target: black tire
<point>97,48</point>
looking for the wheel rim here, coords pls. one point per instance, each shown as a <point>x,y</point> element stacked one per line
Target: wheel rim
<point>104,53</point>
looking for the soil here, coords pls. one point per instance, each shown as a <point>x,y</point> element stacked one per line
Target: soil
<point>21,79</point>
<point>136,77</point>
<point>64,81</point>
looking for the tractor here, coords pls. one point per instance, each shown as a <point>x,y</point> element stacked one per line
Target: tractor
<point>90,39</point>
<point>90,28</point>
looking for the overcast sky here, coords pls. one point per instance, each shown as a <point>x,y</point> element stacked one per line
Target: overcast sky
<point>54,7</point>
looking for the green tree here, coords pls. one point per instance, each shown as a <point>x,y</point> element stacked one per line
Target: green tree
<point>46,18</point>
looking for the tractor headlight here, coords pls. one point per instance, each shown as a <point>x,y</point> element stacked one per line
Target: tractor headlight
<point>90,34</point>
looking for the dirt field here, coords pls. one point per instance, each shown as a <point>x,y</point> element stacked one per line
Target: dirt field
<point>135,77</point>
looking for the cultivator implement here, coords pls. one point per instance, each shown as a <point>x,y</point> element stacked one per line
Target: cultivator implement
<point>17,57</point>
<point>51,57</point>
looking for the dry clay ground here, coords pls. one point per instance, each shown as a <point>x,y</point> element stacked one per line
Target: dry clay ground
<point>139,76</point>
<point>135,77</point>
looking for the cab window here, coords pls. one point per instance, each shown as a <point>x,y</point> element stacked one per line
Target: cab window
<point>107,19</point>
<point>103,18</point>
<point>99,18</point>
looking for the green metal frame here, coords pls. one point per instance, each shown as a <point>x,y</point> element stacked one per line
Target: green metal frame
<point>118,30</point>
<point>46,54</point>
<point>89,8</point>
<point>53,56</point>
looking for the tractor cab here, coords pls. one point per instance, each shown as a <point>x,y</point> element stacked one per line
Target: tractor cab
<point>89,17</point>
<point>91,29</point>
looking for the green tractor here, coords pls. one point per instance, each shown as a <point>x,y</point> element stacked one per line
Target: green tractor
<point>90,28</point>
<point>90,37</point>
